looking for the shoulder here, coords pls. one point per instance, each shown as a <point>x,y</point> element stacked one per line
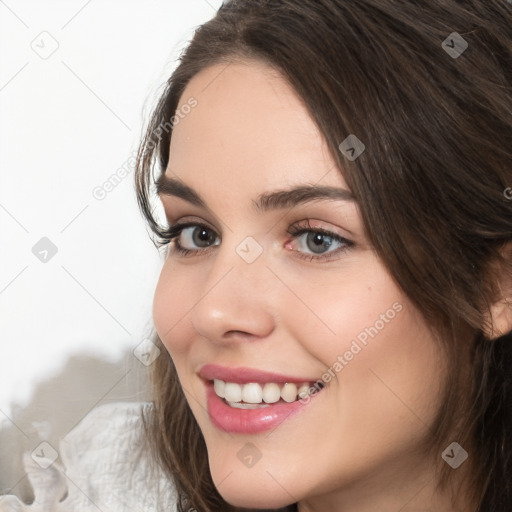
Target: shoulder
<point>106,428</point>
<point>102,462</point>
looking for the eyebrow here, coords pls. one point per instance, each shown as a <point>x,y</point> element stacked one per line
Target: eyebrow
<point>165,185</point>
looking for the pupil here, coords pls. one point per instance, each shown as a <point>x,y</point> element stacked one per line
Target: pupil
<point>201,236</point>
<point>320,242</point>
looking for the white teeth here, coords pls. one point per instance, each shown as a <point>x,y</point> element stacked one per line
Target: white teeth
<point>289,392</point>
<point>219,386</point>
<point>232,392</point>
<point>271,393</point>
<point>303,391</point>
<point>252,393</point>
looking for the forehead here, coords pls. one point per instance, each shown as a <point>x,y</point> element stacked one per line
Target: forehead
<point>248,131</point>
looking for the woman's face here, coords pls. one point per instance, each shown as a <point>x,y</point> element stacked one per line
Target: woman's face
<point>279,291</point>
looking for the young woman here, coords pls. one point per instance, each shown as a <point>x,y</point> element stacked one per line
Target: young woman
<point>334,311</point>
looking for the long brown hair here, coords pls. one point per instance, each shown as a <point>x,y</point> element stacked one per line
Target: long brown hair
<point>431,185</point>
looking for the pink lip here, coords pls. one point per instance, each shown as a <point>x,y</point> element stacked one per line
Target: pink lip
<point>248,421</point>
<point>243,375</point>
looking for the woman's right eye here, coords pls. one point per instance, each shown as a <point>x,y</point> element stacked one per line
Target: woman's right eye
<point>190,238</point>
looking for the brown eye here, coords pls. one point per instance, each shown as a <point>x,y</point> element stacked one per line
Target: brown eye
<point>202,237</point>
<point>193,237</point>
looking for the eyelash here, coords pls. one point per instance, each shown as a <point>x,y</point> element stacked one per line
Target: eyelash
<point>174,231</point>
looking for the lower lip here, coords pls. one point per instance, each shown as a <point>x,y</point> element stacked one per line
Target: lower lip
<point>248,421</point>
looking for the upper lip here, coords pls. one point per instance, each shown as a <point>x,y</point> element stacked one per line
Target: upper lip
<point>243,375</point>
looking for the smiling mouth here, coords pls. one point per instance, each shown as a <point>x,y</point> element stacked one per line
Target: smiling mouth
<point>253,395</point>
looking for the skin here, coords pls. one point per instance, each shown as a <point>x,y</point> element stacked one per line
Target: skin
<point>357,446</point>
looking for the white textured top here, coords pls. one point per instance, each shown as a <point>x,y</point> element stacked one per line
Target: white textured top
<point>104,467</point>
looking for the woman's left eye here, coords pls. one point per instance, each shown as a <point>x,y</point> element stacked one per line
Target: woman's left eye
<point>312,243</point>
<point>317,243</point>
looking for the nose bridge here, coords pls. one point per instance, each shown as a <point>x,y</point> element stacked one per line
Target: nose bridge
<point>244,265</point>
<point>236,293</point>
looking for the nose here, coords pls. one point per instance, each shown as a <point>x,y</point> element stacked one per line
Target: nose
<point>237,299</point>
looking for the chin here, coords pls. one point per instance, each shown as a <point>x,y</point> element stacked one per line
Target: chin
<point>253,498</point>
<point>252,488</point>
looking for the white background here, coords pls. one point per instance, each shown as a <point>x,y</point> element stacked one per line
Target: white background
<point>68,122</point>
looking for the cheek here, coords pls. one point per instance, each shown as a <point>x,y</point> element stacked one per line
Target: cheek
<point>342,314</point>
<point>171,302</point>
<point>375,347</point>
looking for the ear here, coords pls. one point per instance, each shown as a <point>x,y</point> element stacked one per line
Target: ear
<point>499,318</point>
